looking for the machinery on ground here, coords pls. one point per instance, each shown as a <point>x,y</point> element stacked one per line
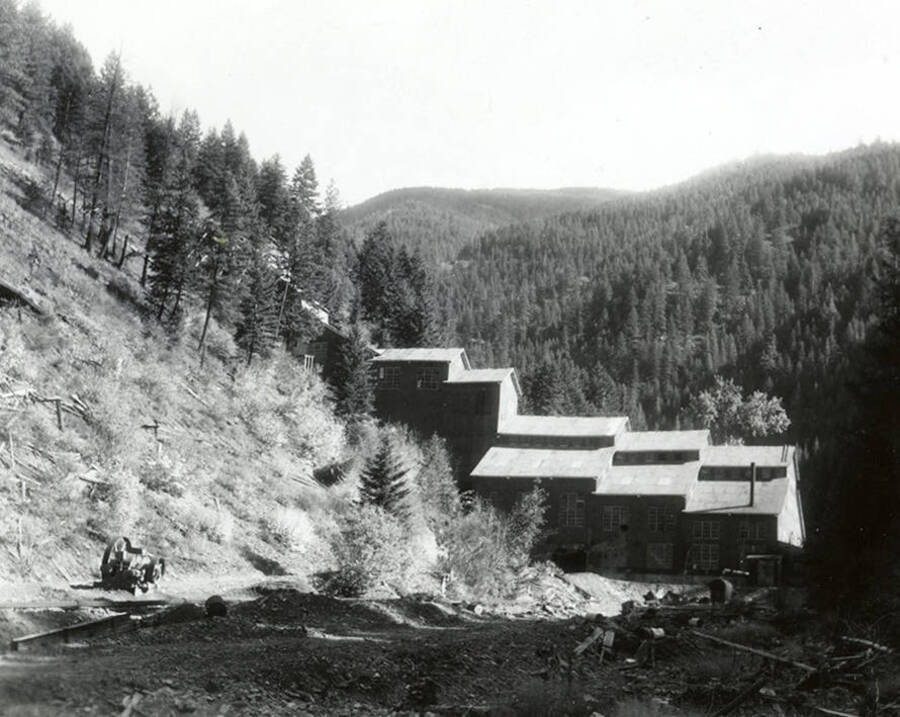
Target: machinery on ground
<point>125,567</point>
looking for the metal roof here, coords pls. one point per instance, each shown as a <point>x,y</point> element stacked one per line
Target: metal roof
<point>442,355</point>
<point>542,463</point>
<point>745,455</point>
<point>575,426</point>
<point>662,440</point>
<point>482,375</point>
<point>668,479</point>
<point>720,496</point>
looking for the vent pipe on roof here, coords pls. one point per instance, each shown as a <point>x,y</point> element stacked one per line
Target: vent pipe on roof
<point>752,483</point>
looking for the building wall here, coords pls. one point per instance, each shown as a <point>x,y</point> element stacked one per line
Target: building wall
<point>736,536</point>
<point>569,517</point>
<point>469,423</point>
<point>399,396</point>
<point>645,523</point>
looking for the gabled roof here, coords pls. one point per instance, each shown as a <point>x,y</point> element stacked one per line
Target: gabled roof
<point>574,426</point>
<point>668,479</point>
<point>542,463</point>
<point>663,440</point>
<point>424,355</point>
<point>745,455</point>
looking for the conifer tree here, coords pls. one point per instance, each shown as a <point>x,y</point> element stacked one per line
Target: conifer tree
<point>383,481</point>
<point>350,377</point>
<point>255,332</point>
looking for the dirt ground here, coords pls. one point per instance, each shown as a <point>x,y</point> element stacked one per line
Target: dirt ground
<point>284,650</point>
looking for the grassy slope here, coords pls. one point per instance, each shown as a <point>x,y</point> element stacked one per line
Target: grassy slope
<point>228,483</point>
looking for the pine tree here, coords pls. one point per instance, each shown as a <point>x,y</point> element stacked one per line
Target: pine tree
<point>255,332</point>
<point>383,481</point>
<point>350,377</point>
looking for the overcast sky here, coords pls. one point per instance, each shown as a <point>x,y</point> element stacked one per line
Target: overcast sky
<point>489,93</point>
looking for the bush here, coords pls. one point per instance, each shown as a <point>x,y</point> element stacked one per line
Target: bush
<point>370,550</point>
<point>290,528</point>
<point>486,549</point>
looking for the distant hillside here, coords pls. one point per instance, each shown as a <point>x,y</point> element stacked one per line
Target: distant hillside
<point>439,222</point>
<point>764,270</point>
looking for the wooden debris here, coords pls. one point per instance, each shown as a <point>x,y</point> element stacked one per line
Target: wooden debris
<point>13,293</point>
<point>585,644</point>
<point>867,643</point>
<point>745,694</point>
<point>754,651</point>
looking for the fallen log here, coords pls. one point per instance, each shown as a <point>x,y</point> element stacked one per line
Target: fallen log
<point>13,293</point>
<point>754,651</point>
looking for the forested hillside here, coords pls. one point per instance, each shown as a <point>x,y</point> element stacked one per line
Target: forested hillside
<point>439,222</point>
<point>764,274</point>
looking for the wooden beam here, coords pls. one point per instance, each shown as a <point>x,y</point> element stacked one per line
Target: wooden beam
<point>754,651</point>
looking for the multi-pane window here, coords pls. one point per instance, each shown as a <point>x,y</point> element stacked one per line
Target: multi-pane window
<point>751,530</point>
<point>571,510</point>
<point>660,519</point>
<point>707,530</point>
<point>659,556</point>
<point>427,379</point>
<point>613,517</point>
<point>389,377</point>
<point>705,556</point>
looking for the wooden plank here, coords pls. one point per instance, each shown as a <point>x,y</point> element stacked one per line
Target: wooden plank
<point>754,651</point>
<point>94,602</point>
<point>104,626</point>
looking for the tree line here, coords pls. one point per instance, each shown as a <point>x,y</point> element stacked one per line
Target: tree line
<point>190,211</point>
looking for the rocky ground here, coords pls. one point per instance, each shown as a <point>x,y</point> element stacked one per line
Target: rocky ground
<point>283,650</point>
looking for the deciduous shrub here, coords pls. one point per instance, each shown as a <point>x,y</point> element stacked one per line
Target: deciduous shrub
<point>370,550</point>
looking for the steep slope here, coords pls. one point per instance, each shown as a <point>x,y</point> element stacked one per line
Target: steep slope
<point>210,465</point>
<point>439,222</point>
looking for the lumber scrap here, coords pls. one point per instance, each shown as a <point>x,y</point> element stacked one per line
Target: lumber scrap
<point>754,651</point>
<point>867,643</point>
<point>585,644</point>
<point>120,622</point>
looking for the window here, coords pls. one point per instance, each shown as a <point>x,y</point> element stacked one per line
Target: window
<point>427,379</point>
<point>571,510</point>
<point>659,556</point>
<point>389,377</point>
<point>751,530</point>
<point>660,519</point>
<point>705,556</point>
<point>707,530</point>
<point>614,517</point>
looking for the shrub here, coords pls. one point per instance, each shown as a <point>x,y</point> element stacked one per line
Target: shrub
<point>370,550</point>
<point>117,503</point>
<point>486,549</point>
<point>437,489</point>
<point>290,528</point>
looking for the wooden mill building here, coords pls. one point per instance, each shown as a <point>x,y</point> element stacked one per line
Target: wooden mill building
<point>641,502</point>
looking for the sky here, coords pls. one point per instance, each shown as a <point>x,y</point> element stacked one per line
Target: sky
<point>512,93</point>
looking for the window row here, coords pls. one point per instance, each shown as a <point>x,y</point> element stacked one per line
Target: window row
<point>427,378</point>
<point>741,473</point>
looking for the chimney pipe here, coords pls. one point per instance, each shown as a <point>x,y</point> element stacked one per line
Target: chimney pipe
<point>752,484</point>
